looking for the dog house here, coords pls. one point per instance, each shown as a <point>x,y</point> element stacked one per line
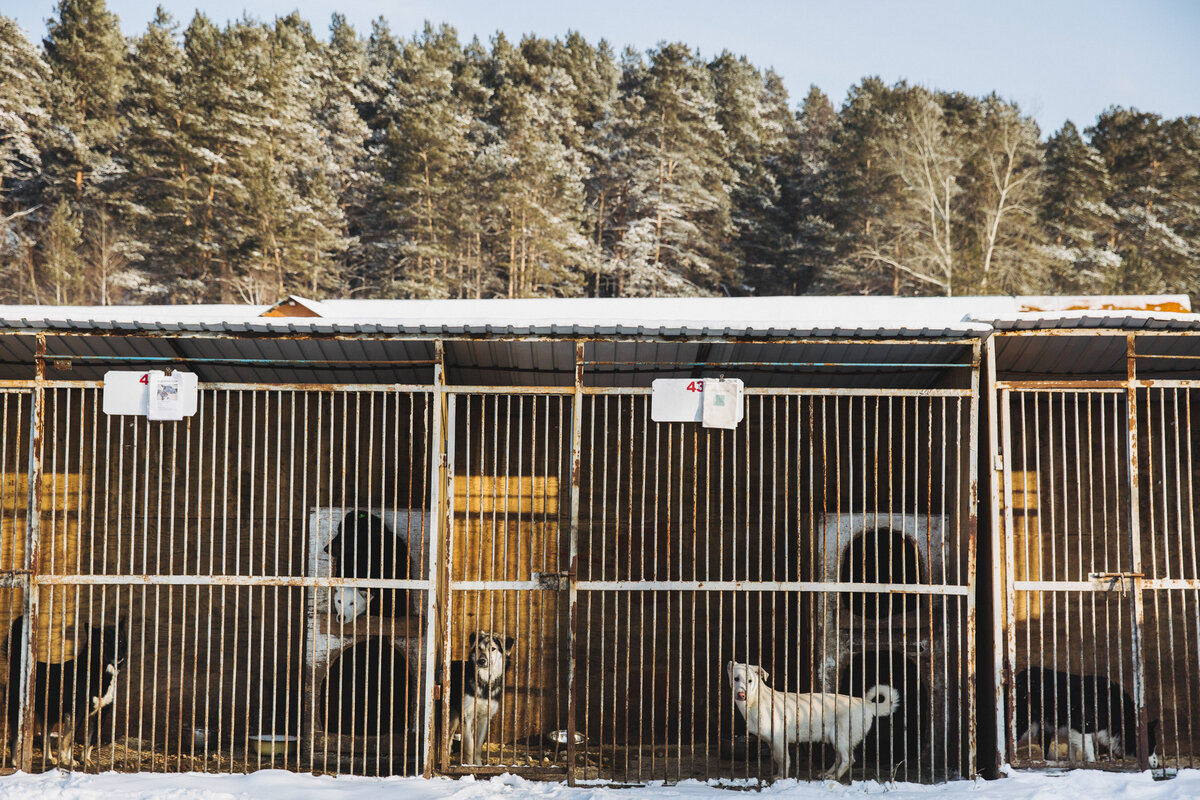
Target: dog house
<point>1094,494</point>
<point>363,666</point>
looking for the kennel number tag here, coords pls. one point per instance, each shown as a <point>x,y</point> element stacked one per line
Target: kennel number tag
<point>677,400</point>
<point>152,394</point>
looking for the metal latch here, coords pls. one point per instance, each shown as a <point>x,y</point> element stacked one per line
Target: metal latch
<point>552,581</point>
<point>1116,579</point>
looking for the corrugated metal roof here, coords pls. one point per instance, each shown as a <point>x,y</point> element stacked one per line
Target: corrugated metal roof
<point>1116,320</point>
<point>269,327</point>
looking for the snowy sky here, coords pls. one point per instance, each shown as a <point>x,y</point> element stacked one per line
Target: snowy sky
<point>1059,59</point>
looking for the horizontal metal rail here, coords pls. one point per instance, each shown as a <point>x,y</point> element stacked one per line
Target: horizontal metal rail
<point>1104,586</point>
<point>653,365</point>
<point>251,362</point>
<point>230,580</point>
<point>719,586</point>
<point>806,391</point>
<point>339,388</point>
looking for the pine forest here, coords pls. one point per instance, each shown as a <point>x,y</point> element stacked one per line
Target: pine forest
<point>241,162</point>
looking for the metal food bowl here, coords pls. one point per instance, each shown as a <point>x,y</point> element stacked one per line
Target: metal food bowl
<point>560,737</point>
<point>272,745</point>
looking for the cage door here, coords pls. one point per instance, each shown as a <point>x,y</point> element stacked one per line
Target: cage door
<point>1073,578</point>
<point>506,648</point>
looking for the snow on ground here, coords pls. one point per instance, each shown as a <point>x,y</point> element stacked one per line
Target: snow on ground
<point>279,785</point>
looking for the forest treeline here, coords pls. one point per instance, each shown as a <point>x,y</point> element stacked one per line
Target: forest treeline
<point>245,161</point>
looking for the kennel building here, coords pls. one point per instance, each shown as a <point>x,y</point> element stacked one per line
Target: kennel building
<point>1094,507</point>
<point>294,570</point>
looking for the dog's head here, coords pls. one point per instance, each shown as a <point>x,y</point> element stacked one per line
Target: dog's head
<point>745,679</point>
<point>349,603</point>
<point>488,652</point>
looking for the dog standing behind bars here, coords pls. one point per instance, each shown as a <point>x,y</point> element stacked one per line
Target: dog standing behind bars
<point>476,687</point>
<point>66,697</point>
<point>784,718</point>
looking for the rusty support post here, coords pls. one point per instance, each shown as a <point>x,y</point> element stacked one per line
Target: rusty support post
<point>1135,555</point>
<point>33,541</point>
<point>572,558</point>
<point>972,560</point>
<point>434,606</point>
<point>996,465</point>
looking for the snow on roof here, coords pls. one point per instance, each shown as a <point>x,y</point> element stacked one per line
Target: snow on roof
<point>709,316</point>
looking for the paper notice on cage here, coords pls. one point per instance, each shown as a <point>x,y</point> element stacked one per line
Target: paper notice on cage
<point>723,403</point>
<point>166,396</point>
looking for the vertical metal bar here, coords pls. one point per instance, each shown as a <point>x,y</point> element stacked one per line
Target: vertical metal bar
<point>1006,630</point>
<point>33,543</point>
<point>1135,563</point>
<point>572,560</point>
<point>972,556</point>
<point>999,462</point>
<point>441,518</point>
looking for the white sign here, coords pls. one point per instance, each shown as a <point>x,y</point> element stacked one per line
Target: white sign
<point>717,402</point>
<point>129,393</point>
<point>677,400</point>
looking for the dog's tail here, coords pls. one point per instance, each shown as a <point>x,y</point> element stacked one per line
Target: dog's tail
<point>884,698</point>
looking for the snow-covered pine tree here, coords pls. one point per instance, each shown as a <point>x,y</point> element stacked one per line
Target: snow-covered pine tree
<point>1077,220</point>
<point>298,227</point>
<point>159,181</point>
<point>808,194</point>
<point>425,153</point>
<point>87,55</point>
<point>1153,218</point>
<point>344,95</point>
<point>24,120</point>
<point>679,182</point>
<point>752,110</point>
<point>542,246</point>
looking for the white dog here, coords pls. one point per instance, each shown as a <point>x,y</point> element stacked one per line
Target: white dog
<point>783,718</point>
<point>349,603</point>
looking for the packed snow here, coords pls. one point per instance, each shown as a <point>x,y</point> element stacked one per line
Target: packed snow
<point>1016,785</point>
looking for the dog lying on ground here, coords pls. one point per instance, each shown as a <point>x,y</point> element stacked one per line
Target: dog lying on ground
<point>1086,710</point>
<point>784,718</point>
<point>476,686</point>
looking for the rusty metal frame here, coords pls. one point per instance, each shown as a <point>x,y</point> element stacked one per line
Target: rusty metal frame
<point>437,582</point>
<point>1001,394</point>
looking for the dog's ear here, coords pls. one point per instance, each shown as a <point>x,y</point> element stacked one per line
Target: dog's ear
<point>472,638</point>
<point>762,674</point>
<point>729,671</point>
<point>509,644</point>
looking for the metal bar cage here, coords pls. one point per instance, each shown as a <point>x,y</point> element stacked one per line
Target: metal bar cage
<point>383,579</point>
<point>1100,624</point>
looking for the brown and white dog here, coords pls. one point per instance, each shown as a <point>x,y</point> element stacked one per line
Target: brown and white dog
<point>476,689</point>
<point>784,718</point>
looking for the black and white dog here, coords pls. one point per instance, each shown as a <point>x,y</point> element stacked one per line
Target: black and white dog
<point>1088,710</point>
<point>476,687</point>
<point>66,696</point>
